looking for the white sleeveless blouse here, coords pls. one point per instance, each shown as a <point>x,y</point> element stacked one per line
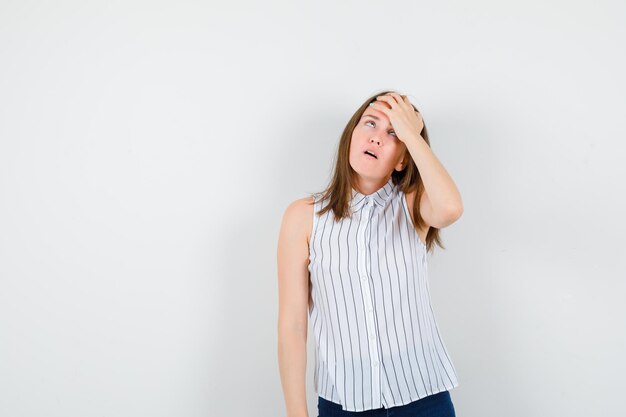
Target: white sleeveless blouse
<point>377,341</point>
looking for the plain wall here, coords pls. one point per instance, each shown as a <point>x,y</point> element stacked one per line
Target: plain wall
<point>148,150</point>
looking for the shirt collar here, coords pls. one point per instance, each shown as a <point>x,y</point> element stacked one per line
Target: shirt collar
<point>379,197</point>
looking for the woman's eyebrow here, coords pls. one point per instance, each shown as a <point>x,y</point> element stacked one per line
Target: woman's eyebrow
<point>370,115</point>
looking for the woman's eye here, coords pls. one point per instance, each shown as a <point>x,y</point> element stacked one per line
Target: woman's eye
<point>394,133</point>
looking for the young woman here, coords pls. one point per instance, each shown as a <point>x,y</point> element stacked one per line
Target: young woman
<point>354,259</point>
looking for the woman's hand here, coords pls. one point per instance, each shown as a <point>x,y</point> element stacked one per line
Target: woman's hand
<point>406,122</point>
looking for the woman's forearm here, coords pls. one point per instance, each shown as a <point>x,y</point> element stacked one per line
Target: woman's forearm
<point>292,365</point>
<point>442,192</point>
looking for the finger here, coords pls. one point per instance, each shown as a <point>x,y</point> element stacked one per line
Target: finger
<point>400,99</point>
<point>380,107</point>
<point>394,96</point>
<point>397,96</point>
<point>388,99</point>
<point>403,102</point>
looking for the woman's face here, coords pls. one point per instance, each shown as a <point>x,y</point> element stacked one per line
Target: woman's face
<point>374,132</point>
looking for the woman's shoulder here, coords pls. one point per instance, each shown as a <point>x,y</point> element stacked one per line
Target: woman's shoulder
<point>300,208</point>
<point>299,216</point>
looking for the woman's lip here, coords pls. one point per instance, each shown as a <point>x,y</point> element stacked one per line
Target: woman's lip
<point>370,152</point>
<point>373,157</point>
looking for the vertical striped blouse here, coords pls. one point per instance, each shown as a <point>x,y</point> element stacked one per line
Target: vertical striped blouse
<point>377,342</point>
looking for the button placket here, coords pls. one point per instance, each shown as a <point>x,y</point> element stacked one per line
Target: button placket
<point>367,297</point>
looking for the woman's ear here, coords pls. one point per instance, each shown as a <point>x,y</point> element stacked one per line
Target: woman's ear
<point>400,165</point>
<point>403,162</point>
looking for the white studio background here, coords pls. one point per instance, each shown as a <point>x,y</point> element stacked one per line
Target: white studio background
<point>148,150</point>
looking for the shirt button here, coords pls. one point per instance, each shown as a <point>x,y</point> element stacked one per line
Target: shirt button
<point>375,363</point>
<point>373,336</point>
<point>363,278</point>
<point>370,309</point>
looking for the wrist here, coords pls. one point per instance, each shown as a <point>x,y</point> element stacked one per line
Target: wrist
<point>414,137</point>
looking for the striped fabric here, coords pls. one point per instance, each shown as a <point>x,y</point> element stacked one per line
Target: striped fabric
<point>377,342</point>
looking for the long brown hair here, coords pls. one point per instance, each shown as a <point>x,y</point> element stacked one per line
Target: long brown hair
<point>339,191</point>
